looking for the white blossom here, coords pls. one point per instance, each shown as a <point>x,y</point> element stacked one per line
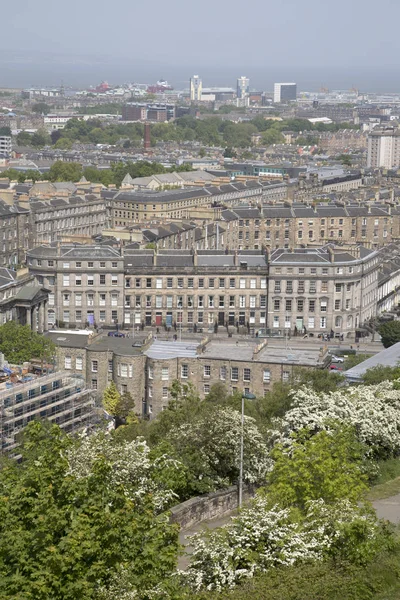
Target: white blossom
<point>374,412</point>
<point>130,466</point>
<point>262,537</point>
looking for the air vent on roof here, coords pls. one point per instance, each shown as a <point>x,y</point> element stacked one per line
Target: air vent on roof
<point>61,339</point>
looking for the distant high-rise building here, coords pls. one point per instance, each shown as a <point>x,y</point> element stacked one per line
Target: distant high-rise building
<point>284,92</point>
<point>242,87</point>
<point>196,87</point>
<point>384,147</point>
<point>5,145</point>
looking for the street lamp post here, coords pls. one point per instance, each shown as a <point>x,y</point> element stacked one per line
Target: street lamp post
<point>245,396</point>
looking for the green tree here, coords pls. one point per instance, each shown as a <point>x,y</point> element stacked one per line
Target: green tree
<point>345,159</point>
<point>327,465</point>
<point>24,139</point>
<point>380,373</point>
<point>5,131</point>
<point>41,108</point>
<point>272,136</point>
<point>229,153</point>
<point>63,144</point>
<point>64,535</point>
<point>390,333</point>
<point>65,171</point>
<point>40,138</point>
<point>20,344</point>
<point>111,399</point>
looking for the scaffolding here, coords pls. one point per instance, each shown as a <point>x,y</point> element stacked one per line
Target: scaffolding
<point>60,397</point>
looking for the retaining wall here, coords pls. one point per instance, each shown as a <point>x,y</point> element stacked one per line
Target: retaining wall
<point>208,506</point>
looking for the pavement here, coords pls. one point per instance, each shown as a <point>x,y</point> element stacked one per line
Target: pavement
<point>388,508</point>
<point>184,536</point>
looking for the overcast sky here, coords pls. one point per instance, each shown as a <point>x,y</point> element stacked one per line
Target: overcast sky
<point>206,33</point>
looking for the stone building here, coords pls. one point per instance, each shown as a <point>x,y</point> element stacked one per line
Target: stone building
<point>147,368</point>
<point>86,283</point>
<point>322,291</point>
<point>23,300</point>
<point>195,290</point>
<point>130,207</point>
<point>290,226</point>
<point>76,215</point>
<point>15,234</point>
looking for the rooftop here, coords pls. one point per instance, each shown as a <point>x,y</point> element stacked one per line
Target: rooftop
<point>389,357</point>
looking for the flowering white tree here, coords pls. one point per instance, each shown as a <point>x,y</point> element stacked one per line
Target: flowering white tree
<point>373,411</point>
<point>262,537</point>
<point>210,445</point>
<point>131,467</point>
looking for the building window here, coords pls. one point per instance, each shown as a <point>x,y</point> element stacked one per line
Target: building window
<point>102,316</point>
<point>90,265</point>
<point>150,372</point>
<point>222,373</point>
<point>94,384</point>
<point>277,305</point>
<point>67,362</point>
<point>65,280</point>
<point>266,376</point>
<point>311,322</point>
<point>114,279</point>
<point>78,316</point>
<point>90,280</point>
<point>184,371</point>
<point>165,393</point>
<point>324,305</point>
<point>78,280</point>
<point>285,376</point>
<point>246,374</point>
<point>95,366</point>
<point>322,323</point>
<point>110,366</point>
<point>276,321</point>
<point>207,371</point>
<point>206,389</point>
<point>102,279</point>
<point>165,374</point>
<point>79,363</point>
<point>180,282</point>
<point>102,265</point>
<point>337,304</point>
<point>234,374</point>
<point>124,370</point>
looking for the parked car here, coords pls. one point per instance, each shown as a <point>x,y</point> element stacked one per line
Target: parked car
<point>335,368</point>
<point>115,334</point>
<point>338,359</point>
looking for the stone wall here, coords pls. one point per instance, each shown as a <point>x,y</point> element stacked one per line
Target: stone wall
<point>208,506</point>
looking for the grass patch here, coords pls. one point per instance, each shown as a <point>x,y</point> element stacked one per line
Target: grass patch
<point>388,481</point>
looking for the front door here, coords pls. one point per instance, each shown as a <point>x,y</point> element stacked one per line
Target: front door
<point>221,318</point>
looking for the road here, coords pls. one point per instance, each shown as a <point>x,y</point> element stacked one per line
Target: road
<point>388,508</point>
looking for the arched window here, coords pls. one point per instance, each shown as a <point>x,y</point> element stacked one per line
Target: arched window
<point>338,322</point>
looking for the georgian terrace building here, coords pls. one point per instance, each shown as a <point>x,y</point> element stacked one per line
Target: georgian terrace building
<point>315,290</point>
<point>291,226</point>
<point>129,207</point>
<point>322,290</point>
<point>103,286</point>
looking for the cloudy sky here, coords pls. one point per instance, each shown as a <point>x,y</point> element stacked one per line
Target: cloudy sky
<point>198,35</point>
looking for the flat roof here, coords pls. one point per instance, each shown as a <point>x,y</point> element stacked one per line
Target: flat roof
<point>243,351</point>
<point>164,350</point>
<point>389,357</point>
